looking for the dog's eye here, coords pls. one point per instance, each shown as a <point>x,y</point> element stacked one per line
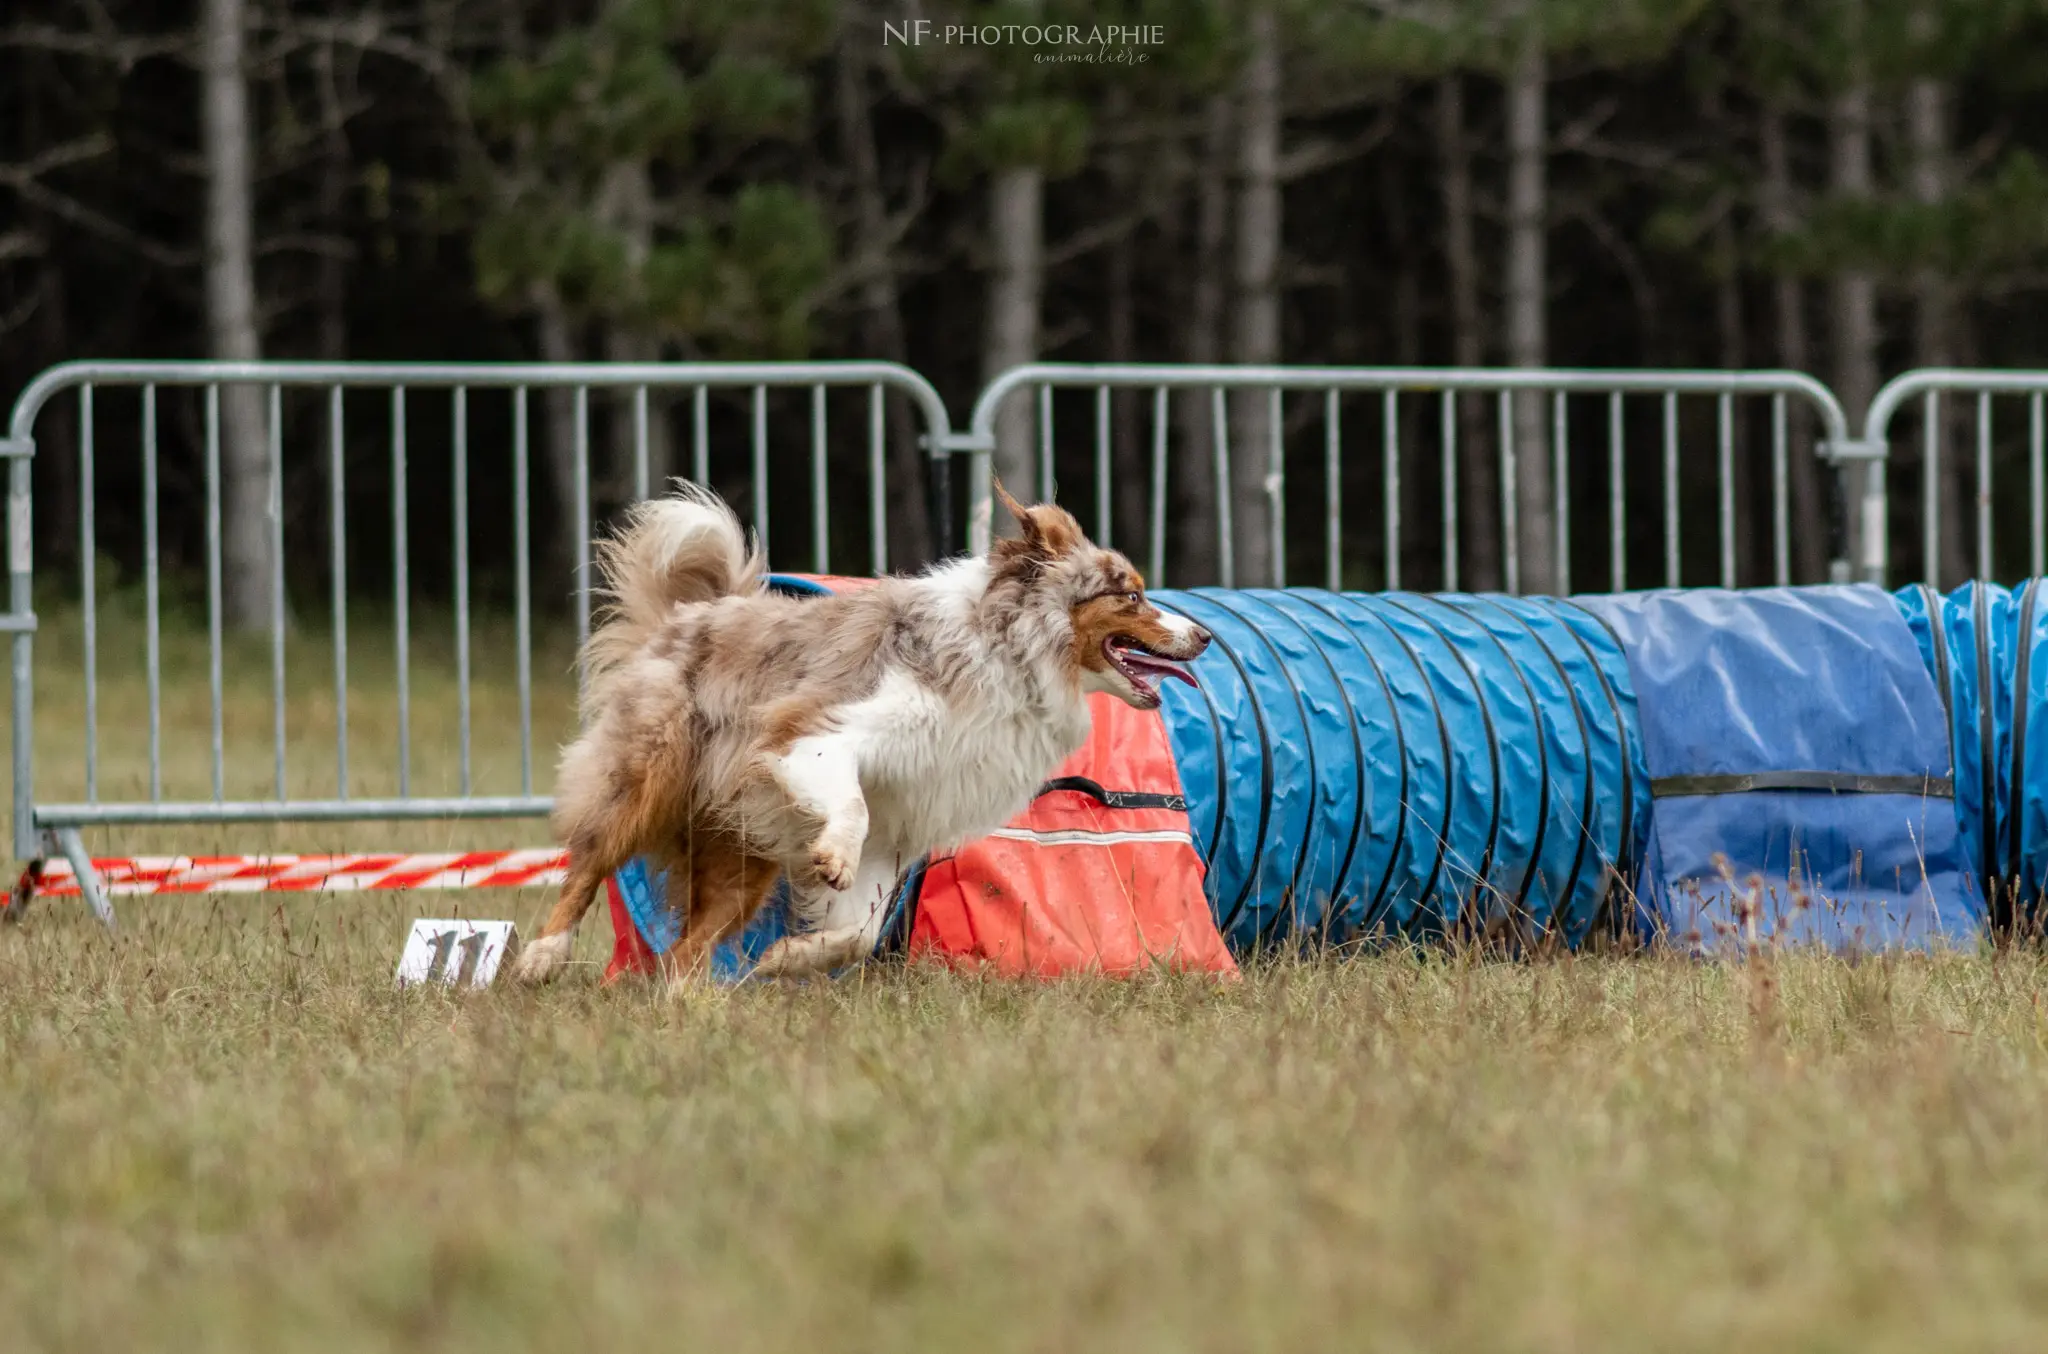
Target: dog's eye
<point>1132,598</point>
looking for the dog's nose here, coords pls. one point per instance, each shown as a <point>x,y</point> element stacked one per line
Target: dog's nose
<point>1202,636</point>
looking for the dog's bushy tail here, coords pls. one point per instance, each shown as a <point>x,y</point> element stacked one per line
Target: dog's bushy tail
<point>687,547</point>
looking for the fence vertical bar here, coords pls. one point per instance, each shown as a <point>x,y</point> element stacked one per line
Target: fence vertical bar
<point>761,468</point>
<point>1047,480</point>
<point>1390,469</point>
<point>1333,491</point>
<point>88,553</point>
<point>1984,485</point>
<point>461,496</point>
<point>1510,527</point>
<point>1932,453</point>
<point>522,583</point>
<point>1724,424</point>
<point>1671,560</point>
<point>1276,486</point>
<point>20,600</point>
<point>1219,430</point>
<point>641,487</point>
<point>1448,434</point>
<point>1104,518</point>
<point>1560,477</point>
<point>276,511</point>
<point>216,742</point>
<point>1156,564</point>
<point>1781,507</point>
<point>821,538</point>
<point>878,500</point>
<point>337,566</point>
<point>700,436</point>
<point>1617,498</point>
<point>2035,439</point>
<point>401,589</point>
<point>580,507</point>
<point>152,595</point>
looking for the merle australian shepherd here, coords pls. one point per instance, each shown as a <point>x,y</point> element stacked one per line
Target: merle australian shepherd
<point>734,735</point>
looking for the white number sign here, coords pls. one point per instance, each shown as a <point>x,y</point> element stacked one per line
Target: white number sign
<point>459,953</point>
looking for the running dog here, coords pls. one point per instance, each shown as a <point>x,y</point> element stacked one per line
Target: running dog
<point>733,734</point>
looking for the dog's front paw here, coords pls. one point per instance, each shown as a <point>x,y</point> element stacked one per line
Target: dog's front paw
<point>833,868</point>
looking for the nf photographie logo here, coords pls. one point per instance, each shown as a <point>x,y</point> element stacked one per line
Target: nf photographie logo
<point>1110,44</point>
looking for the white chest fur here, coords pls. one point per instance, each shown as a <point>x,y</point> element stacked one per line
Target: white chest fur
<point>935,773</point>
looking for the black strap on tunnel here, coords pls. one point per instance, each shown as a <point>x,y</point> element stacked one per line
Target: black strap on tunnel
<point>1358,779</point>
<point>1220,600</point>
<point>1624,860</point>
<point>1827,782</point>
<point>1542,753</point>
<point>1942,680</point>
<point>1492,738</point>
<point>1443,733</point>
<point>2017,862</point>
<point>1222,779</point>
<point>1987,767</point>
<point>1374,907</point>
<point>1222,770</point>
<point>1115,799</point>
<point>1585,745</point>
<point>1357,760</point>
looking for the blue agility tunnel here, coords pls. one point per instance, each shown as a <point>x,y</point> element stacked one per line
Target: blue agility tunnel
<point>1395,765</point>
<point>1831,765</point>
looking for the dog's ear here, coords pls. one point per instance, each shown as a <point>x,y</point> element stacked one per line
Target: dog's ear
<point>1017,510</point>
<point>1049,531</point>
<point>1052,531</point>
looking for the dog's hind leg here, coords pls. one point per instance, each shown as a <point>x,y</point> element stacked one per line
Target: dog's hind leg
<point>605,840</point>
<point>844,926</point>
<point>728,885</point>
<point>821,775</point>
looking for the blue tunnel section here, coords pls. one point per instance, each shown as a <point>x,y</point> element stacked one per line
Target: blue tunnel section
<point>1800,770</point>
<point>1833,765</point>
<point>1361,766</point>
<point>1982,646</point>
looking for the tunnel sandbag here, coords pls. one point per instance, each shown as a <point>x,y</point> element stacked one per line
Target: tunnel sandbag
<point>1799,759</point>
<point>1396,765</point>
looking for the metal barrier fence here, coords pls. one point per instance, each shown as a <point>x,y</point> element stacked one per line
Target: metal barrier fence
<point>1653,441</point>
<point>1523,428</point>
<point>1942,514</point>
<point>38,824</point>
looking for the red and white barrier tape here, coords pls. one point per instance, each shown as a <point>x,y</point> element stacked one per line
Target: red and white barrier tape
<point>310,874</point>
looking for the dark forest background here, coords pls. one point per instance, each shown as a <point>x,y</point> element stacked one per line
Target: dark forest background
<point>1847,187</point>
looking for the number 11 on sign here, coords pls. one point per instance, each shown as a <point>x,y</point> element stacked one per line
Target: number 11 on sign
<point>458,953</point>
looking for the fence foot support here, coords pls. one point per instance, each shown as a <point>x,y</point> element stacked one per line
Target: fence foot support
<point>95,892</point>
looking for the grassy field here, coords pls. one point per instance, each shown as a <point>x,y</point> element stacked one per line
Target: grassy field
<point>227,1131</point>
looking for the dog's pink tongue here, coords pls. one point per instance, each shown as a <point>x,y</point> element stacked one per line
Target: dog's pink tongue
<point>1161,667</point>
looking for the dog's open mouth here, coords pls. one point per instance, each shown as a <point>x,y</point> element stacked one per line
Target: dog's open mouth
<point>1142,668</point>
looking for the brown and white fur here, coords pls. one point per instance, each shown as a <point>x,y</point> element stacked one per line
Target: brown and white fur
<point>733,734</point>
